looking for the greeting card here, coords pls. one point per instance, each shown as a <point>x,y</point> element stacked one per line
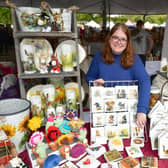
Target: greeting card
<point>132,92</point>
<point>96,150</point>
<point>97,105</point>
<point>110,118</point>
<point>116,143</point>
<point>149,162</point>
<point>122,118</point>
<point>112,156</point>
<point>109,92</point>
<point>137,142</point>
<point>134,151</point>
<point>88,162</point>
<point>121,105</point>
<point>98,119</point>
<point>68,164</point>
<point>109,104</point>
<point>111,131</point>
<point>121,92</point>
<point>124,131</point>
<point>136,131</point>
<point>132,105</point>
<point>163,145</point>
<point>97,92</point>
<point>98,135</point>
<point>129,162</point>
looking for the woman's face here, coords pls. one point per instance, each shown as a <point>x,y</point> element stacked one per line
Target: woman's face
<point>118,41</point>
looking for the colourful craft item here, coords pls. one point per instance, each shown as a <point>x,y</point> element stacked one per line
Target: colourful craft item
<point>65,139</point>
<point>64,150</point>
<point>77,151</point>
<point>87,161</point>
<point>35,138</point>
<point>52,134</point>
<point>64,127</point>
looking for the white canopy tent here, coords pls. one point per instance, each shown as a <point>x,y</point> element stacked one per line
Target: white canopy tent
<point>92,23</point>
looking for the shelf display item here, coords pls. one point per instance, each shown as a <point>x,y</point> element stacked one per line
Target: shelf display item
<point>116,143</point>
<point>74,86</point>
<point>137,142</point>
<point>33,19</point>
<point>35,55</point>
<point>71,44</point>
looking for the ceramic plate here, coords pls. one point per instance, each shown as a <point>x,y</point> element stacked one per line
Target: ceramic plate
<point>82,52</point>
<point>38,49</point>
<point>74,85</point>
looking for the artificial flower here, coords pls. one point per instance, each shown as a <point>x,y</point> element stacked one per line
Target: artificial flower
<point>52,134</point>
<point>34,123</point>
<point>9,130</point>
<point>23,124</point>
<point>35,138</point>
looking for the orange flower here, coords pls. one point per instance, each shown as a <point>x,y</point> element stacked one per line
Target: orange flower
<point>9,130</point>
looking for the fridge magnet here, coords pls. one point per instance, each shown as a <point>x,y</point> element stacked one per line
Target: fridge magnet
<point>96,150</point>
<point>149,161</point>
<point>88,161</point>
<point>132,92</point>
<point>124,131</point>
<point>98,119</point>
<point>116,143</point>
<point>121,105</point>
<point>97,105</point>
<point>123,118</point>
<point>137,142</point>
<point>112,156</point>
<point>110,118</point>
<point>121,92</point>
<point>111,131</point>
<point>109,105</point>
<point>134,151</point>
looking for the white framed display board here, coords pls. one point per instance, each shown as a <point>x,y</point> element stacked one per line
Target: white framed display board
<point>113,109</point>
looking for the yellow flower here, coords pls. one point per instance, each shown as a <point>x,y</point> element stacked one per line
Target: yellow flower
<point>34,123</point>
<point>9,130</point>
<point>23,124</point>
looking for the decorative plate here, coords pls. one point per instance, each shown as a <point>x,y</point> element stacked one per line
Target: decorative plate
<point>27,18</point>
<point>82,52</point>
<point>74,86</point>
<point>38,50</point>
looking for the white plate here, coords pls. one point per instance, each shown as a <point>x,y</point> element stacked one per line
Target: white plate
<point>82,52</point>
<point>37,47</point>
<point>74,85</point>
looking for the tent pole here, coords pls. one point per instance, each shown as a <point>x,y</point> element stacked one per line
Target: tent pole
<point>104,15</point>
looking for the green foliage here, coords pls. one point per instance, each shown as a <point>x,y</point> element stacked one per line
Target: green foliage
<point>5,15</point>
<point>159,19</point>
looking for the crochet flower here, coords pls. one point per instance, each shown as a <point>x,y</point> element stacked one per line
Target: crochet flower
<point>52,134</point>
<point>34,123</point>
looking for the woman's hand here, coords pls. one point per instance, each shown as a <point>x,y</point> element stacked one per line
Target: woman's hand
<point>98,82</point>
<point>141,120</point>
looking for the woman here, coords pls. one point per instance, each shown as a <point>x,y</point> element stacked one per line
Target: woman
<point>118,62</point>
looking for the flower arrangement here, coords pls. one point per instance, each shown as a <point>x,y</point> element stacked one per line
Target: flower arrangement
<point>28,126</point>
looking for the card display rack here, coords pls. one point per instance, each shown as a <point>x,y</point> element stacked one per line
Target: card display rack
<point>113,109</point>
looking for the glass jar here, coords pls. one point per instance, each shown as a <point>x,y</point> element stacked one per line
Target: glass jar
<point>154,96</point>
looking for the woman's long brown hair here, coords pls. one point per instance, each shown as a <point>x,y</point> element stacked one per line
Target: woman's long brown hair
<point>127,58</point>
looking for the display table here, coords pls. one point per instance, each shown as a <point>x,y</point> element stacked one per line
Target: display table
<point>147,151</point>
